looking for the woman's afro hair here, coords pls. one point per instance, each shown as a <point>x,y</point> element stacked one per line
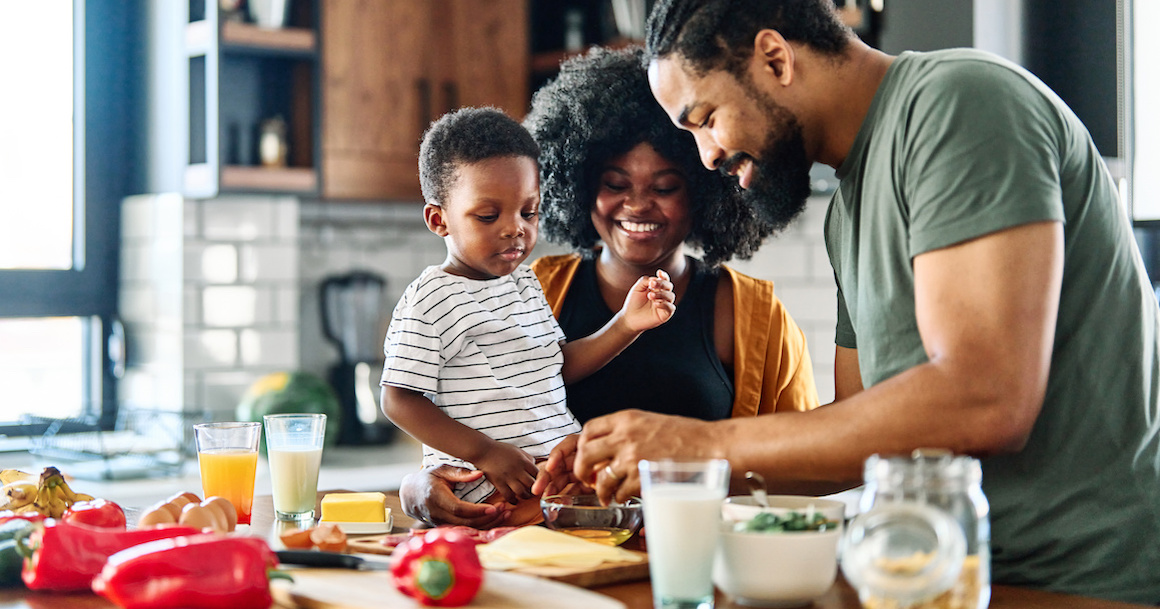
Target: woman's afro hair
<point>464,136</point>
<point>599,107</point>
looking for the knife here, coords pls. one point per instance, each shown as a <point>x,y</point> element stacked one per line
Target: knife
<point>333,560</point>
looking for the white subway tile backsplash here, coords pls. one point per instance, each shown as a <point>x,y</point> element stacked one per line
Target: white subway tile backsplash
<point>209,263</point>
<point>285,302</point>
<point>221,392</point>
<point>269,263</point>
<point>191,301</point>
<point>272,349</point>
<point>210,349</point>
<point>238,218</point>
<point>808,303</point>
<point>233,306</point>
<point>777,260</point>
<point>286,221</point>
<point>820,268</point>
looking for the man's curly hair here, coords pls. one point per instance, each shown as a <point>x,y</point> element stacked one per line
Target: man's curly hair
<point>599,107</point>
<point>468,135</point>
<point>718,34</point>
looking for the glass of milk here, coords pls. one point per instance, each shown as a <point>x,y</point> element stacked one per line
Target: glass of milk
<point>294,446</point>
<point>682,510</point>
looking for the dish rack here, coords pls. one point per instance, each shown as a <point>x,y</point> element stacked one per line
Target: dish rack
<point>142,444</point>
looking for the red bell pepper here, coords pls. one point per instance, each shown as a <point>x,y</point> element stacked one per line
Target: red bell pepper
<point>67,556</point>
<point>199,572</point>
<point>97,513</point>
<point>439,567</point>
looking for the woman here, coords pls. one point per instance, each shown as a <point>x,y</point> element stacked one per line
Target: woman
<point>614,171</point>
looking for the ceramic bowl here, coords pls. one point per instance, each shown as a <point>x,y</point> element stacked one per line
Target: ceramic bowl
<point>583,516</point>
<point>777,569</point>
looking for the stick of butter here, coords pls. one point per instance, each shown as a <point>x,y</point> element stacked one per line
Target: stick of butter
<point>354,507</point>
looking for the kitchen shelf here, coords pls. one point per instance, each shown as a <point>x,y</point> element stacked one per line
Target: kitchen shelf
<point>287,39</point>
<point>240,76</point>
<point>269,179</point>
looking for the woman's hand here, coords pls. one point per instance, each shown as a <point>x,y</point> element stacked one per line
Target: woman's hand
<point>650,302</point>
<point>427,496</point>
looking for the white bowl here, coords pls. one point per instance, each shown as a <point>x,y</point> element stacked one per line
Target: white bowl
<point>778,569</point>
<point>744,507</point>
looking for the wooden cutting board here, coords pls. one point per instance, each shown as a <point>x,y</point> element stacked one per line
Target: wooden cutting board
<point>606,573</point>
<point>346,589</point>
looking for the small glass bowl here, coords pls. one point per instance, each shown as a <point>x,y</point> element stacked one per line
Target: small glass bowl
<point>583,516</point>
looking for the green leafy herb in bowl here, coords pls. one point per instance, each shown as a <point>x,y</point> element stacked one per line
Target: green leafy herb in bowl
<point>769,522</point>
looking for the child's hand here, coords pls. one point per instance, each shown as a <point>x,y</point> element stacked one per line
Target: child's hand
<point>650,302</point>
<point>511,470</point>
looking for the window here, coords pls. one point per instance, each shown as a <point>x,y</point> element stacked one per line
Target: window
<point>1145,81</point>
<point>66,161</point>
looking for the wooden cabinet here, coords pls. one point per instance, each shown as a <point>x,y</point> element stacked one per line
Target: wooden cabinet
<point>390,67</point>
<point>239,76</point>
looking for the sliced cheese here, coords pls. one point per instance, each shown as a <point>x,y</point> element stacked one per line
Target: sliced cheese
<point>354,507</point>
<point>537,546</point>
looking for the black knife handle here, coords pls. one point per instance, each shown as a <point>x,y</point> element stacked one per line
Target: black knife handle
<point>315,558</point>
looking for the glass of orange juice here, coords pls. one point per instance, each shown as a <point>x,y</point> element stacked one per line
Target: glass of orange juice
<point>228,456</point>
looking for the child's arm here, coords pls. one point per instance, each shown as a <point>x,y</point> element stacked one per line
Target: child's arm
<point>649,304</point>
<point>509,469</point>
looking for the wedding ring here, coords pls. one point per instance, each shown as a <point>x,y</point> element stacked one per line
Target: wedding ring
<point>612,474</point>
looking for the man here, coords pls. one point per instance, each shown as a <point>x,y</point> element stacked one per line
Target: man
<point>991,299</point>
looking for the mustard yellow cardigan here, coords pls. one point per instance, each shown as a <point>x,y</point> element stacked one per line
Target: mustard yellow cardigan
<point>771,363</point>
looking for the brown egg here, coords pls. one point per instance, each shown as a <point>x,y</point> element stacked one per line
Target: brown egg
<point>227,510</point>
<point>193,515</point>
<point>181,499</point>
<point>154,516</point>
<point>173,509</point>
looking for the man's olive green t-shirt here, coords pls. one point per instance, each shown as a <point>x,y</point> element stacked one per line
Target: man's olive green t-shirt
<point>959,144</point>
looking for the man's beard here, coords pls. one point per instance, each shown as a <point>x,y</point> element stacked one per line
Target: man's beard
<point>781,180</point>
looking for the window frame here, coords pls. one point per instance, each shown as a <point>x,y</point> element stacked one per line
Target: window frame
<point>108,93</point>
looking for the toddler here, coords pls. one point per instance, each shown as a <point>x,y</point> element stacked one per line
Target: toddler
<point>475,362</point>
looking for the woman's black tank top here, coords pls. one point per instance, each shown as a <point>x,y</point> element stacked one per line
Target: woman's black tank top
<point>671,369</point>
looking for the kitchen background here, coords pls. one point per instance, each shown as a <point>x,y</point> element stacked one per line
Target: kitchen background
<point>222,262</point>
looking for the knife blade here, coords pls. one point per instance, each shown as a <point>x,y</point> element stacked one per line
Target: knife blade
<point>330,560</point>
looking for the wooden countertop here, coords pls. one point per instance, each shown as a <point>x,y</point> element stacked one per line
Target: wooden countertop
<point>635,595</point>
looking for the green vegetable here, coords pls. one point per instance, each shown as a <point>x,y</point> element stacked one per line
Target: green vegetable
<point>11,562</point>
<point>292,392</point>
<point>12,533</point>
<point>768,522</point>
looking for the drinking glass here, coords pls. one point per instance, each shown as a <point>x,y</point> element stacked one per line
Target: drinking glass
<point>294,446</point>
<point>228,456</point>
<point>682,510</point>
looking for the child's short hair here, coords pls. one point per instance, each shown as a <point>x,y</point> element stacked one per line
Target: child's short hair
<point>468,135</point>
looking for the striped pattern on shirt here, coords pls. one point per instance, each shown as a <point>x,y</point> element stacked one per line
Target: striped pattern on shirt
<point>487,353</point>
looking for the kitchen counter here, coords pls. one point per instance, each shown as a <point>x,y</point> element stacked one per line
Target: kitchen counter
<point>357,468</point>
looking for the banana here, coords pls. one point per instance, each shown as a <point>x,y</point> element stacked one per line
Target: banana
<point>17,494</point>
<point>9,476</point>
<point>84,497</point>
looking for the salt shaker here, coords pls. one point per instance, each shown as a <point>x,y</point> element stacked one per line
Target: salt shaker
<point>923,538</point>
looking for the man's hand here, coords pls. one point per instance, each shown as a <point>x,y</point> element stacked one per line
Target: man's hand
<point>510,470</point>
<point>427,496</point>
<point>610,447</point>
<point>555,476</point>
<point>650,302</point>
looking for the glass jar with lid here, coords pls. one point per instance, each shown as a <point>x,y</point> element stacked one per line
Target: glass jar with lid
<point>923,537</point>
